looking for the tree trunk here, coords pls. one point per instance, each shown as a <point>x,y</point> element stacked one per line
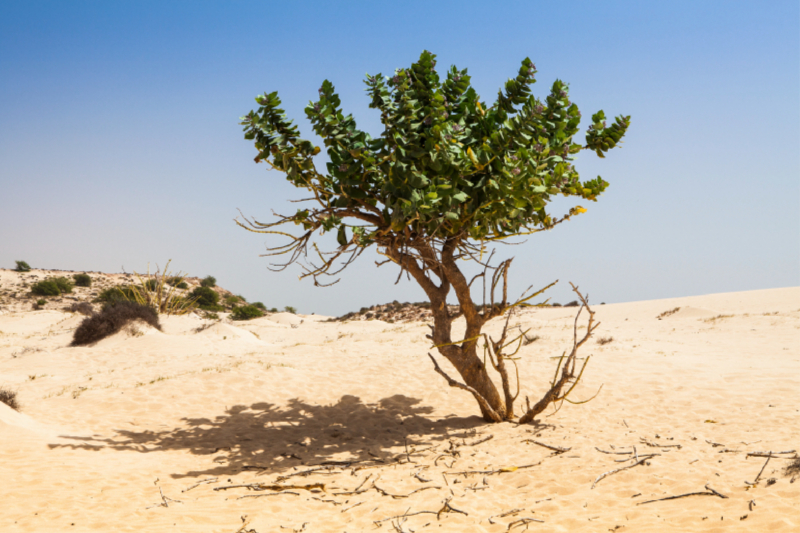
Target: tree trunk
<point>462,355</point>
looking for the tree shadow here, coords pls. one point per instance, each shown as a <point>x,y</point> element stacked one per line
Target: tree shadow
<point>274,439</point>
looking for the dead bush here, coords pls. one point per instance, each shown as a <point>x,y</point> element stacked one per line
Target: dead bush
<point>9,397</point>
<point>112,319</point>
<point>84,308</point>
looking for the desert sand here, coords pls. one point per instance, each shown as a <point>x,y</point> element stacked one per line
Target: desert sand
<point>151,430</point>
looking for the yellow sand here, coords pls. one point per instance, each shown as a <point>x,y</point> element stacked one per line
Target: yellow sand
<point>104,430</point>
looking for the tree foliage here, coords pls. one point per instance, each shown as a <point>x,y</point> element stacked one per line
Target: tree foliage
<point>448,174</point>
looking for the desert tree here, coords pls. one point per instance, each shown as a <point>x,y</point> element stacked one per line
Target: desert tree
<point>448,176</point>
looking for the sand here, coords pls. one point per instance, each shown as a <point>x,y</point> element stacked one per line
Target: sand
<point>105,430</point>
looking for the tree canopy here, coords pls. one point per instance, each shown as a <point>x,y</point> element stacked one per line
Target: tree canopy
<point>447,164</point>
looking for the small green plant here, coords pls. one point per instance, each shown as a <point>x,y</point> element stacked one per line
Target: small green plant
<point>41,302</point>
<point>246,312</point>
<point>233,301</point>
<point>208,281</point>
<point>82,280</point>
<point>182,285</point>
<point>207,298</point>
<point>45,287</point>
<point>274,310</point>
<point>290,309</point>
<point>210,316</point>
<point>115,294</point>
<point>9,397</point>
<point>259,305</point>
<point>150,284</point>
<point>52,287</point>
<point>22,266</point>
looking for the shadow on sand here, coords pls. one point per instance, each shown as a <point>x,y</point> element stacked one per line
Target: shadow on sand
<point>275,439</point>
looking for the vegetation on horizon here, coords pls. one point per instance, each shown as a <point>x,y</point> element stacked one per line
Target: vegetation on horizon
<point>449,175</point>
<point>22,266</point>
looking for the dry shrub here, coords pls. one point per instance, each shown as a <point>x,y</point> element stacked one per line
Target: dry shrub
<point>604,340</point>
<point>84,308</point>
<point>112,319</point>
<point>794,467</point>
<point>9,397</point>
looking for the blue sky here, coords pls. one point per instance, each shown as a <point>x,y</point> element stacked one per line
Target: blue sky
<point>119,142</point>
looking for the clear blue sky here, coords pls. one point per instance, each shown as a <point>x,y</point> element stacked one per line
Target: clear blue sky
<point>119,142</point>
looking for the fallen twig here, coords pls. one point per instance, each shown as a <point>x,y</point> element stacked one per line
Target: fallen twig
<point>637,463</point>
<point>164,500</point>
<point>557,449</point>
<point>762,470</point>
<point>354,505</point>
<point>320,469</point>
<point>522,522</point>
<point>268,494</point>
<point>209,480</point>
<point>612,453</point>
<point>503,515</point>
<point>709,492</point>
<point>489,472</point>
<point>480,441</point>
<point>656,445</point>
<point>771,454</point>
<point>262,486</point>
<point>398,496</point>
<point>447,508</point>
<point>378,522</point>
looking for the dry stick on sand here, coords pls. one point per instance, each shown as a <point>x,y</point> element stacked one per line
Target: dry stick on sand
<point>489,472</point>
<point>209,480</point>
<point>268,494</point>
<point>601,476</point>
<point>523,522</point>
<point>656,445</point>
<point>164,502</point>
<point>262,486</point>
<point>755,482</point>
<point>771,454</point>
<point>612,453</point>
<point>709,492</point>
<point>557,449</point>
<point>503,515</point>
<point>398,496</point>
<point>480,441</point>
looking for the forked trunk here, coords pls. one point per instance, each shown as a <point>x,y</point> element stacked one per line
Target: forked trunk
<point>464,358</point>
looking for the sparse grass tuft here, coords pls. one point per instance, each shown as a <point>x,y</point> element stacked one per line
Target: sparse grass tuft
<point>713,319</point>
<point>665,314</point>
<point>9,397</point>
<point>604,340</point>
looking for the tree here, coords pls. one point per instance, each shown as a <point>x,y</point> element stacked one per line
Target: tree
<point>448,176</point>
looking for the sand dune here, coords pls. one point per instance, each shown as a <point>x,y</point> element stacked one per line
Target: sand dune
<point>106,429</point>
